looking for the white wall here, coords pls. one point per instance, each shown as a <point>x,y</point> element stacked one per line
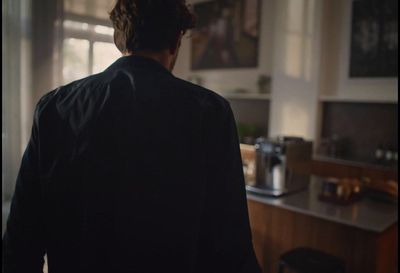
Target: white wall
<point>294,67</point>
<point>294,98</point>
<point>304,46</point>
<point>11,95</point>
<point>26,99</point>
<point>295,87</point>
<point>16,99</point>
<point>222,80</point>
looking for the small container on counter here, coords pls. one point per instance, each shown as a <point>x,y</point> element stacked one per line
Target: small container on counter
<point>329,187</point>
<point>341,191</point>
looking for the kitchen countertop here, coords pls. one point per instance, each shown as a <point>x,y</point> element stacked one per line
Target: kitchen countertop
<point>365,214</point>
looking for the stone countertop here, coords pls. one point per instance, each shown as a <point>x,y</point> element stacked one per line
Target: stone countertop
<point>365,214</point>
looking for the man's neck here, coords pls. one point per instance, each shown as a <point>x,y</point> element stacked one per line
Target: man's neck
<point>161,57</point>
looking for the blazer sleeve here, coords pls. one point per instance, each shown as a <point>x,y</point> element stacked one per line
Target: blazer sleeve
<point>225,236</point>
<point>23,241</point>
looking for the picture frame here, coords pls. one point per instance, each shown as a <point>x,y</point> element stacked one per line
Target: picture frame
<point>227,35</point>
<point>374,39</point>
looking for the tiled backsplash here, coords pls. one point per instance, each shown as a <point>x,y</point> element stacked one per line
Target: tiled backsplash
<point>359,128</point>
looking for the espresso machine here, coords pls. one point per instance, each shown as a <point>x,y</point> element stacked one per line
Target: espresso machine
<point>278,162</point>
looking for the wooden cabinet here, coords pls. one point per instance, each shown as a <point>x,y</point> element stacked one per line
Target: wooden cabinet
<point>322,168</point>
<point>381,179</point>
<point>341,170</point>
<point>276,230</point>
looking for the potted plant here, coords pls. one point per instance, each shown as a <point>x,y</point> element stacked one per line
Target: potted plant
<point>264,84</point>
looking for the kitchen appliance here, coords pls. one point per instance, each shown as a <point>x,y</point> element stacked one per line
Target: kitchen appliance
<point>279,163</point>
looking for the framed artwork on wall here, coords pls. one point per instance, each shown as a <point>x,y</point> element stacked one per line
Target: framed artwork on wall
<point>227,34</point>
<point>374,39</point>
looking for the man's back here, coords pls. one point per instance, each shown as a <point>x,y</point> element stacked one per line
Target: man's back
<point>132,170</point>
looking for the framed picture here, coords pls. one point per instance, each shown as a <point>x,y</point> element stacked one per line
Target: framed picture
<point>374,39</point>
<point>227,34</point>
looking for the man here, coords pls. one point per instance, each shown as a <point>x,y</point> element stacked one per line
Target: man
<point>132,169</point>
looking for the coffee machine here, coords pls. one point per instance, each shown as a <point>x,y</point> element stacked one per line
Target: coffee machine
<point>278,164</point>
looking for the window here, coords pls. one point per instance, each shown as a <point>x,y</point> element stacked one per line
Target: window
<point>87,47</point>
<point>103,53</point>
<point>75,59</point>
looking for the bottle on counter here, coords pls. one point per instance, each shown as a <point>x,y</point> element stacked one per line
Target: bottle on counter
<point>334,144</point>
<point>379,153</point>
<point>389,154</point>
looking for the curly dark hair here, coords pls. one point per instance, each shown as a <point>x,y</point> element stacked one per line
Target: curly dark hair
<point>149,24</point>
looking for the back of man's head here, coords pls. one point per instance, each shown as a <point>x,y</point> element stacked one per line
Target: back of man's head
<point>149,25</point>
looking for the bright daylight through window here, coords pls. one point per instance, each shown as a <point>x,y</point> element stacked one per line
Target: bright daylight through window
<point>87,49</point>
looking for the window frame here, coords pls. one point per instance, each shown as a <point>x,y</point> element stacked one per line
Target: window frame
<point>88,34</point>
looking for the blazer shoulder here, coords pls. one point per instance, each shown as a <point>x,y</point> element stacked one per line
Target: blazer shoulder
<point>209,100</point>
<point>45,100</point>
<point>51,97</point>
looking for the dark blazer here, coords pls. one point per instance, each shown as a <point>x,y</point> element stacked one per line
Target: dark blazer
<point>131,170</point>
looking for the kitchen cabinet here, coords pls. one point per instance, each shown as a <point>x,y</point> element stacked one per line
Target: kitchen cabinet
<point>276,230</point>
<point>327,169</point>
<point>363,234</point>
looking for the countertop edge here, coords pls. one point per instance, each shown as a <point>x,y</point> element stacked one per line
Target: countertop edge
<point>253,197</point>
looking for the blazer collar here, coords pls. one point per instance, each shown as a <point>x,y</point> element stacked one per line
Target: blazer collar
<point>138,62</point>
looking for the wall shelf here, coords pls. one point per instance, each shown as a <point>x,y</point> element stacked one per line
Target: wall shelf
<point>355,100</point>
<point>246,96</point>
